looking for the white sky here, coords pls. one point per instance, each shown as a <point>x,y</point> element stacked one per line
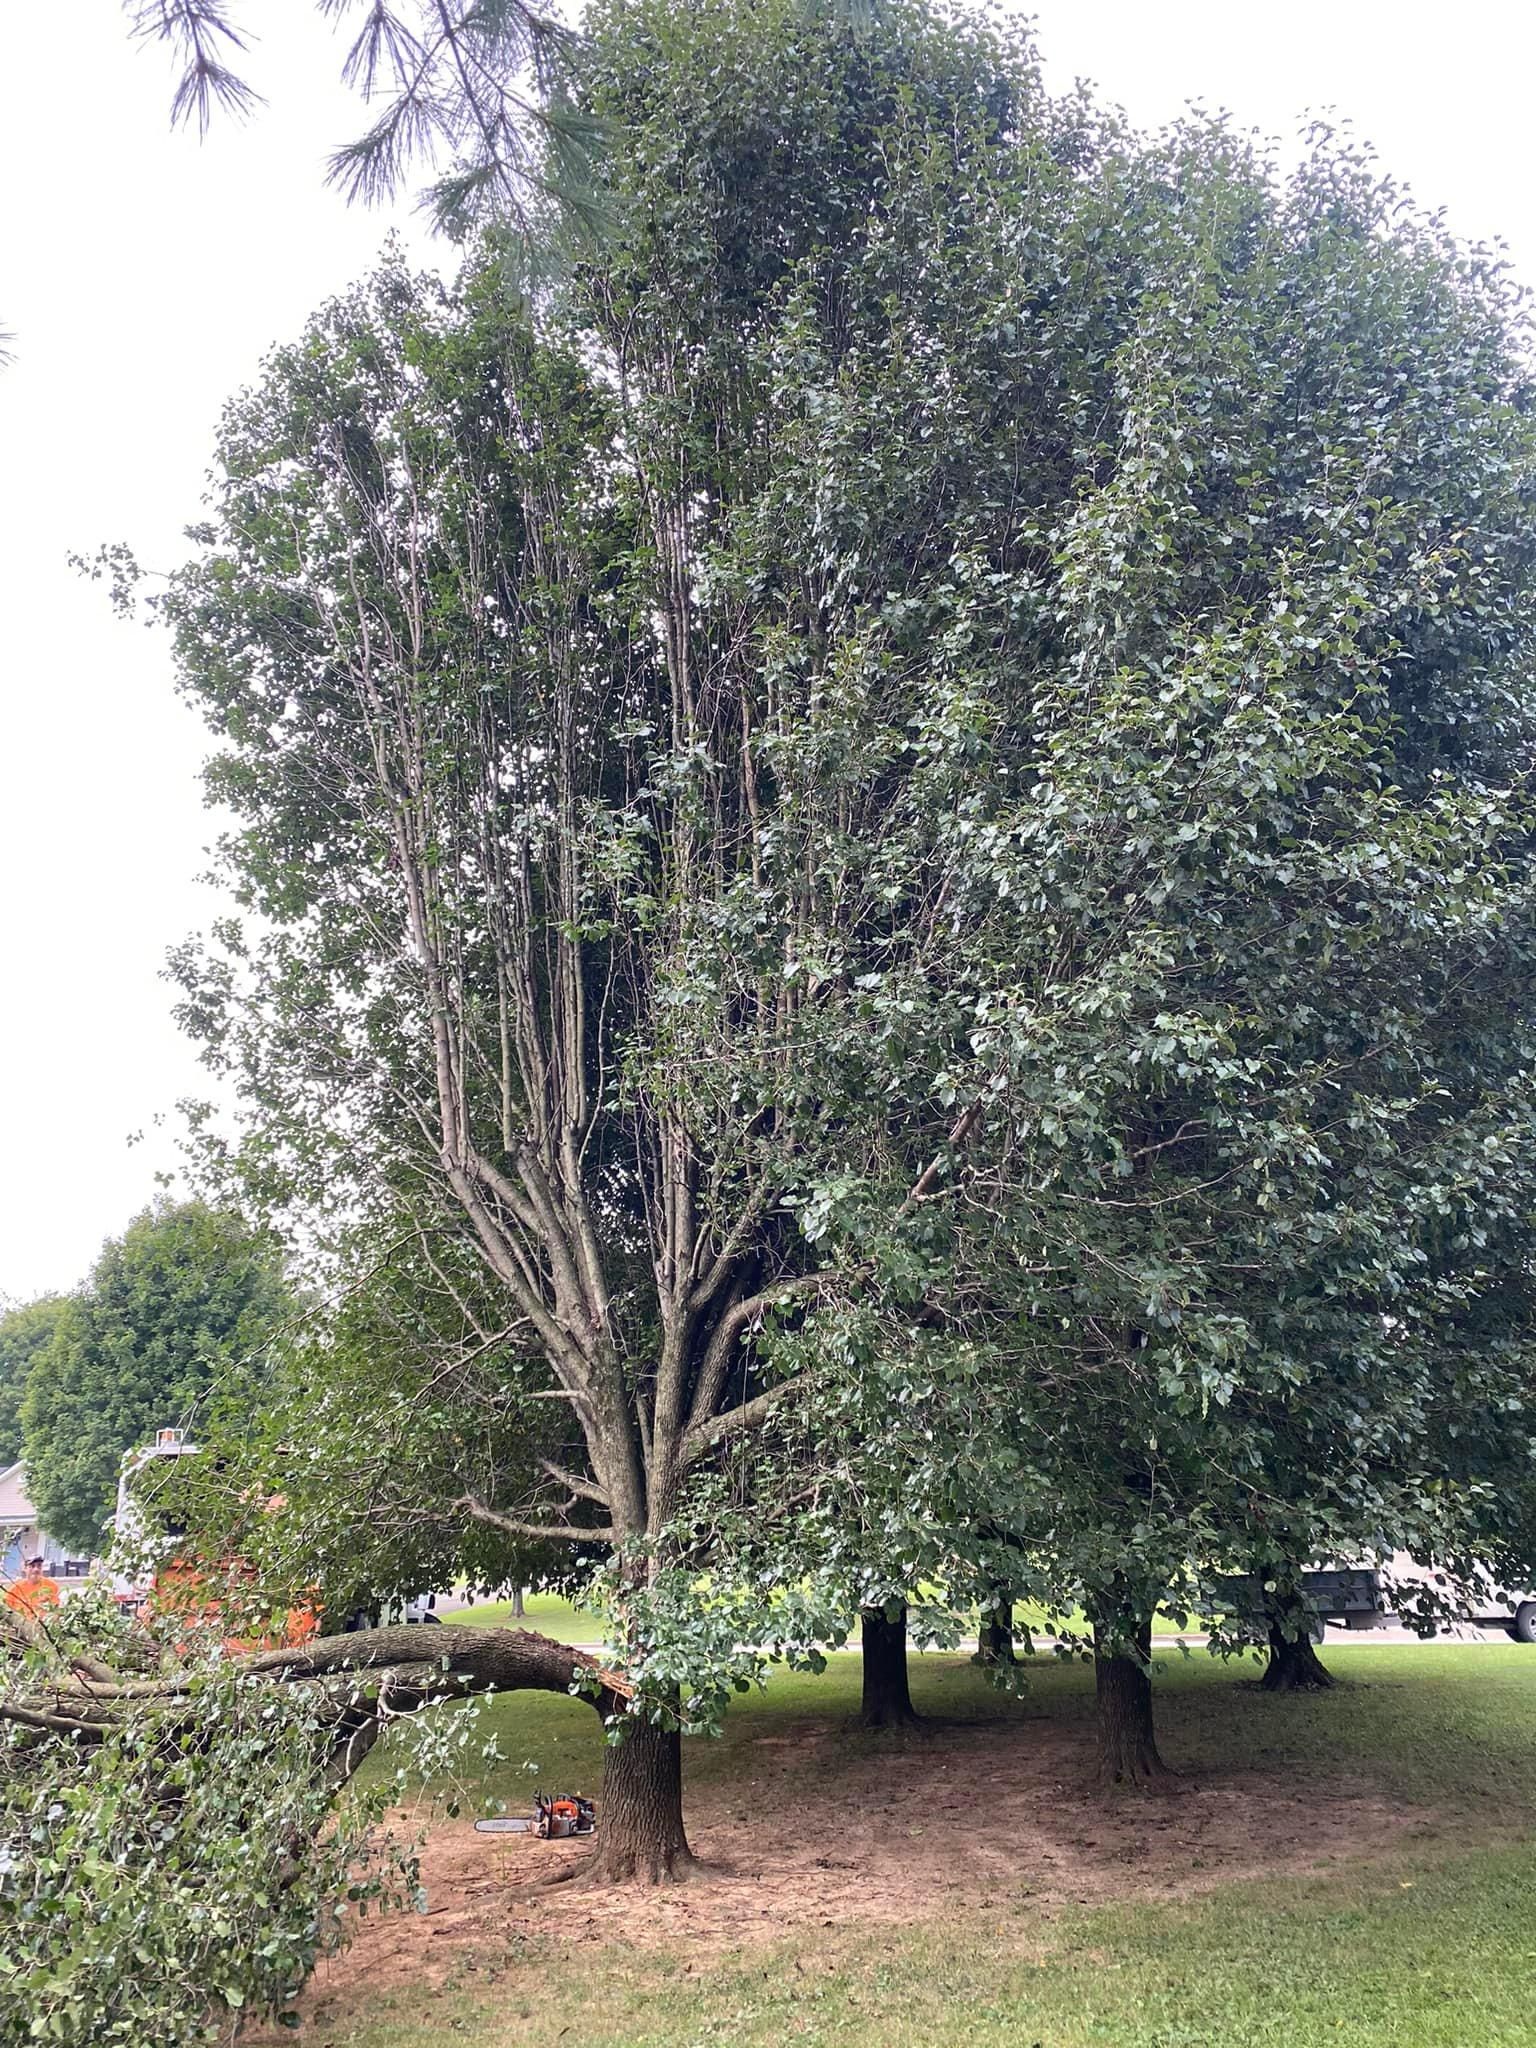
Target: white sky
<point>146,275</point>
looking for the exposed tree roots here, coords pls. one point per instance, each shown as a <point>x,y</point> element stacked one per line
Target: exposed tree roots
<point>1294,1666</point>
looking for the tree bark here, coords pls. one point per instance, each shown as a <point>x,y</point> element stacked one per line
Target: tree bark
<point>1127,1748</point>
<point>995,1645</point>
<point>1294,1665</point>
<point>886,1701</point>
<point>359,1681</point>
<point>517,1603</point>
<point>640,1815</point>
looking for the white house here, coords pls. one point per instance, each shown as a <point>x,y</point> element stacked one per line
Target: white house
<point>21,1536</point>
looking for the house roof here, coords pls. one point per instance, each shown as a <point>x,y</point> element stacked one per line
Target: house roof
<point>16,1510</point>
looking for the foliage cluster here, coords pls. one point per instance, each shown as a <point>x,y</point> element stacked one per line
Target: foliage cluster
<point>185,1292</point>
<point>156,1885</point>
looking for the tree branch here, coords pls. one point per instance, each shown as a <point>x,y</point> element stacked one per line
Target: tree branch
<point>585,1489</point>
<point>703,1436</point>
<point>728,1329</point>
<point>538,1532</point>
<point>924,1185</point>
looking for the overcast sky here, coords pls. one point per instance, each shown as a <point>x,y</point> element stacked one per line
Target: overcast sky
<point>145,275</point>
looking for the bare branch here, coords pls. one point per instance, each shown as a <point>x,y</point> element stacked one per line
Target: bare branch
<point>538,1532</point>
<point>584,1489</point>
<point>730,1326</point>
<point>750,1415</point>
<point>927,1180</point>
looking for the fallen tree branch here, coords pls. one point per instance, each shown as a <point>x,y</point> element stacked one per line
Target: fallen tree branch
<point>414,1667</point>
<point>478,1659</point>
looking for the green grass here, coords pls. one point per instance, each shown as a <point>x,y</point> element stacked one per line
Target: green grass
<point>1443,1964</point>
<point>1431,1947</point>
<point>552,1616</point>
<point>546,1612</point>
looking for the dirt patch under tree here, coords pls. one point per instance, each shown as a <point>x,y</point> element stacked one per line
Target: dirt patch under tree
<point>814,1830</point>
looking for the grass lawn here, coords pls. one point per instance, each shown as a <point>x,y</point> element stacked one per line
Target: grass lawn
<point>1428,1943</point>
<point>546,1612</point>
<point>554,1617</point>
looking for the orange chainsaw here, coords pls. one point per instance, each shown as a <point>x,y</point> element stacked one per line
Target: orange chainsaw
<point>554,1820</point>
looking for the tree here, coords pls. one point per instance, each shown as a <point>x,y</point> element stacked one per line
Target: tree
<point>1294,1665</point>
<point>924,748</point>
<point>480,82</point>
<point>1227,1063</point>
<point>24,1331</point>
<point>184,1291</point>
<point>885,1700</point>
<point>530,783</point>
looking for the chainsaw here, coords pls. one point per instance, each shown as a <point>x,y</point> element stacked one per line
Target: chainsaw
<point>554,1820</point>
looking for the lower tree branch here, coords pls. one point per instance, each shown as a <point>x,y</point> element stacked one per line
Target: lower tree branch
<point>538,1532</point>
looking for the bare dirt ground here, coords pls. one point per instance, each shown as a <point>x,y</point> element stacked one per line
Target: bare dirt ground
<point>815,1832</point>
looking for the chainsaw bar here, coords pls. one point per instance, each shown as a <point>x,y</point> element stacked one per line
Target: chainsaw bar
<point>554,1820</point>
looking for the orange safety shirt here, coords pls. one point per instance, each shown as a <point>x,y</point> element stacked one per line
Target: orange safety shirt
<point>30,1596</point>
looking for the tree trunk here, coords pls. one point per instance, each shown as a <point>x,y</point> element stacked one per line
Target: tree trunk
<point>1127,1752</point>
<point>996,1635</point>
<point>1294,1665</point>
<point>517,1603</point>
<point>886,1702</point>
<point>640,1836</point>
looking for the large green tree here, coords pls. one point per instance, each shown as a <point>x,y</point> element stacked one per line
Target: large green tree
<point>895,819</point>
<point>183,1293</point>
<point>931,737</point>
<point>1226,1063</point>
<point>533,782</point>
<point>23,1333</point>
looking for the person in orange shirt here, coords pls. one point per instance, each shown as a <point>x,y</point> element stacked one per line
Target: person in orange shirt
<point>32,1592</point>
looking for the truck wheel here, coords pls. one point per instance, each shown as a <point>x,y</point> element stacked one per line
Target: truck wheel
<point>1524,1630</point>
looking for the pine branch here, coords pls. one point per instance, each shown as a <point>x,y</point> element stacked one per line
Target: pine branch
<point>199,32</point>
<point>479,81</point>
